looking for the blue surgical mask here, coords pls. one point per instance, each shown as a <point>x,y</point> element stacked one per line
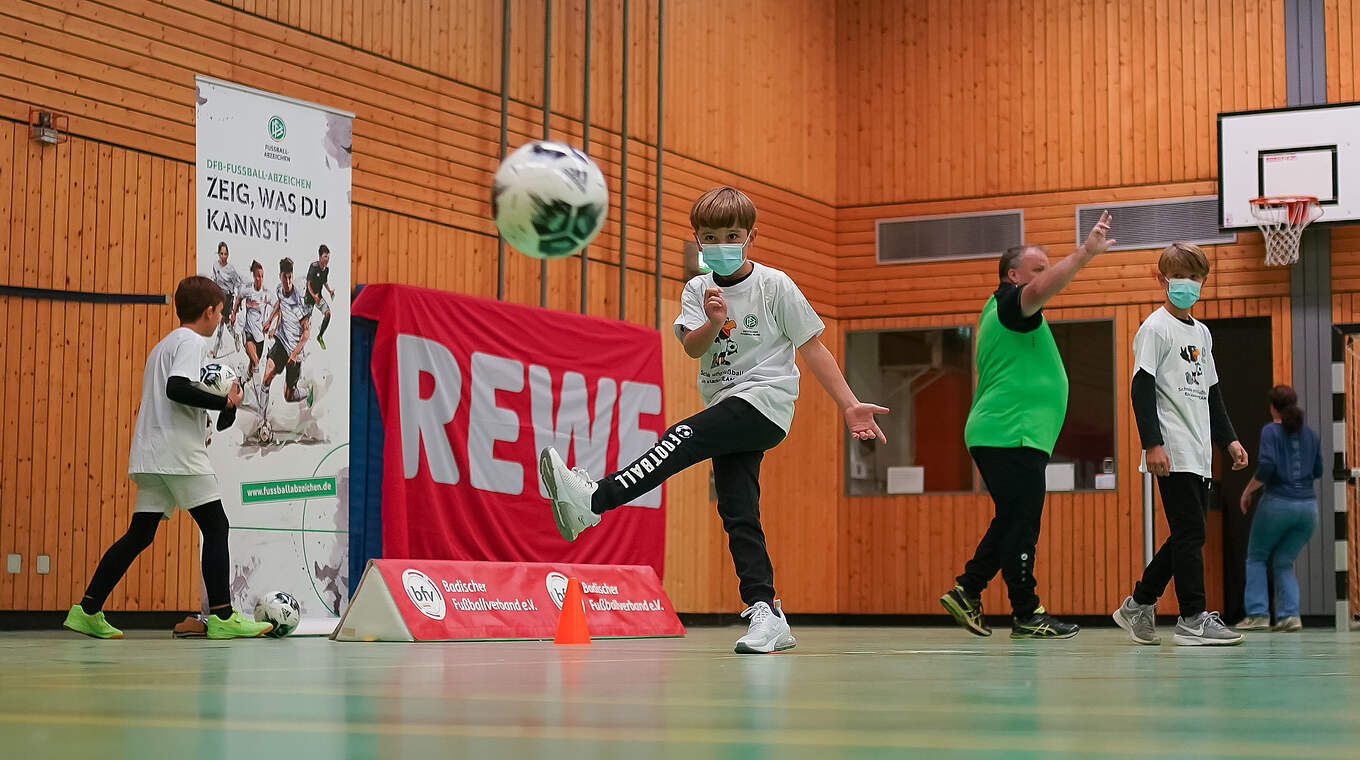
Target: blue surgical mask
<point>1183,293</point>
<point>724,258</point>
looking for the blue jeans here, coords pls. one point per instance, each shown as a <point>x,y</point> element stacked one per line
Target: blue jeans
<point>1279,532</point>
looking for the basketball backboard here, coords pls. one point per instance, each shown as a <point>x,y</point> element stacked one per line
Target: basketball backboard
<point>1303,151</point>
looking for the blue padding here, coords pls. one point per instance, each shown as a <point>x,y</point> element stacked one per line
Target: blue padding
<point>366,453</point>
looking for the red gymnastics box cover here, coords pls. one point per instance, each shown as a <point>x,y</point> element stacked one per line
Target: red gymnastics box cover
<point>460,600</point>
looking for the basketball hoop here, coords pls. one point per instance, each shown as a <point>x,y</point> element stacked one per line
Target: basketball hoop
<point>1281,220</point>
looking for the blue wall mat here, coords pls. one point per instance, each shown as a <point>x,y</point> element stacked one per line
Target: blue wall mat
<point>365,452</point>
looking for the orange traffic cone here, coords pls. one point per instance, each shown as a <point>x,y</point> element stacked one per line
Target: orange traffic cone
<point>571,624</point>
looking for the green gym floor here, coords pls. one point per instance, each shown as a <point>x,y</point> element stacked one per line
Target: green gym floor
<point>844,692</point>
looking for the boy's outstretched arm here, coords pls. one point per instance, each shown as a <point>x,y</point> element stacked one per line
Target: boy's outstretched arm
<point>859,417</point>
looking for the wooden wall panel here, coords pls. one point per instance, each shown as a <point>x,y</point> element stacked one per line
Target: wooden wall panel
<point>781,62</point>
<point>982,97</point>
<point>73,371</point>
<point>1342,30</point>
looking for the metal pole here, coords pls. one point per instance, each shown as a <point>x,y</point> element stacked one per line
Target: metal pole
<point>505,115</point>
<point>660,162</point>
<point>585,148</point>
<point>1148,548</point>
<point>623,178</point>
<point>547,119</point>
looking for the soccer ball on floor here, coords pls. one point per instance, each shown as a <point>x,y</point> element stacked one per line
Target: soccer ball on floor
<point>549,199</point>
<point>216,378</point>
<point>281,609</point>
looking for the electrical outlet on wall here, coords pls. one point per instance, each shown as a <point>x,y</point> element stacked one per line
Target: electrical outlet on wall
<point>44,564</point>
<point>14,563</point>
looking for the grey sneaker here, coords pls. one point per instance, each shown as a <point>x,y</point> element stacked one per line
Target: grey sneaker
<point>1288,625</point>
<point>569,491</point>
<point>1253,623</point>
<point>1140,620</point>
<point>1205,629</point>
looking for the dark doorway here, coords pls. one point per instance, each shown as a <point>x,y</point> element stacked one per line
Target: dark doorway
<point>1242,355</point>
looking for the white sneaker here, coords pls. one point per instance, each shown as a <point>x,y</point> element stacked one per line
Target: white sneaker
<point>769,631</point>
<point>569,492</point>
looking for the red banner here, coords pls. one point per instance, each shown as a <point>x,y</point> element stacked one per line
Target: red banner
<point>470,390</point>
<point>441,601</point>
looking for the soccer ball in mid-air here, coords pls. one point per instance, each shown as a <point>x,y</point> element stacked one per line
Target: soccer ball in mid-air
<point>549,199</point>
<point>216,378</point>
<point>281,609</point>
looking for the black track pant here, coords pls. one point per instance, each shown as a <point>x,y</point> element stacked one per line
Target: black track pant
<point>1015,479</point>
<point>735,436</point>
<point>212,522</point>
<point>1185,500</point>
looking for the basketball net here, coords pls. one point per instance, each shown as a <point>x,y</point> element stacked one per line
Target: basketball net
<point>1282,220</point>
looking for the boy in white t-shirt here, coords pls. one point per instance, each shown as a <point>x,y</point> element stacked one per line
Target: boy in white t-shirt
<point>256,300</point>
<point>1180,416</point>
<point>169,463</point>
<point>744,322</point>
<point>230,281</point>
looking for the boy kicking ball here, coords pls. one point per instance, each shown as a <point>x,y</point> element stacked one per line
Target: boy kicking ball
<point>1180,415</point>
<point>169,463</point>
<point>743,322</point>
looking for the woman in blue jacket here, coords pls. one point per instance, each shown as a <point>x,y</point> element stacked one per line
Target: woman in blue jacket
<point>1289,461</point>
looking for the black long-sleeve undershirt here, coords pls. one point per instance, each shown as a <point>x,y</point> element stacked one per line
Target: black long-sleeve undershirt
<point>182,391</point>
<point>1149,427</point>
<point>1220,427</point>
<point>1145,409</point>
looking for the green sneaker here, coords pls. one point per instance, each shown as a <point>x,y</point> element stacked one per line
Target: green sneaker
<point>236,627</point>
<point>91,625</point>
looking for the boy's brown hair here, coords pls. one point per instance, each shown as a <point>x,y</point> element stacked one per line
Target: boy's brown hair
<point>1185,257</point>
<point>195,295</point>
<point>723,207</point>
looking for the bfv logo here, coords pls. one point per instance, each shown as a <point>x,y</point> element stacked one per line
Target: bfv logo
<point>424,594</point>
<point>557,587</point>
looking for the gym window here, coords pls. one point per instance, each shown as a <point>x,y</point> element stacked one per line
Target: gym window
<point>926,378</point>
<point>1084,456</point>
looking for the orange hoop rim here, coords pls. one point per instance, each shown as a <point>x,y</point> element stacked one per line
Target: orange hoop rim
<point>1282,200</point>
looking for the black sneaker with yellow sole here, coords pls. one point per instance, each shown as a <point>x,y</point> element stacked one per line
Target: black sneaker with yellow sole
<point>1042,625</point>
<point>966,611</point>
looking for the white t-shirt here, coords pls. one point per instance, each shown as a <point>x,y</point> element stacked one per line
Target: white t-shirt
<point>227,278</point>
<point>768,318</point>
<point>169,438</point>
<point>255,305</point>
<point>292,312</point>
<point>1181,358</point>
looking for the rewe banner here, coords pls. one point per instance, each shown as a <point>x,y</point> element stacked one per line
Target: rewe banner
<point>471,390</point>
<point>426,600</point>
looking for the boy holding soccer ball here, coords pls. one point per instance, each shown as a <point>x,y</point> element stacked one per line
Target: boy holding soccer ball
<point>744,322</point>
<point>169,463</point>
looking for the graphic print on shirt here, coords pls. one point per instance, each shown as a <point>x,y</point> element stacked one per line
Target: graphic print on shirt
<point>730,349</point>
<point>1193,356</point>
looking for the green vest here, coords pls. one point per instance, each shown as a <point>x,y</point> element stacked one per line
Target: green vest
<point>1021,396</point>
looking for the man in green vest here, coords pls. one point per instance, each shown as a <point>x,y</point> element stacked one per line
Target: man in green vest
<point>1017,413</point>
